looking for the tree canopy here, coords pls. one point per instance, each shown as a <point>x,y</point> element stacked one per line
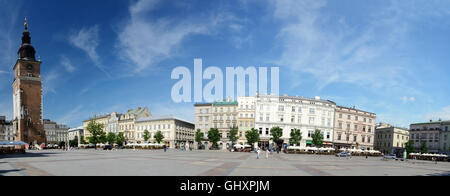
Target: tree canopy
<point>317,138</point>
<point>96,131</point>
<point>146,135</point>
<point>111,138</point>
<point>252,136</point>
<point>233,135</point>
<point>296,137</point>
<point>159,137</point>
<point>214,136</point>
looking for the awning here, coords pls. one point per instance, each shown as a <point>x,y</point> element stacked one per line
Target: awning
<point>309,142</point>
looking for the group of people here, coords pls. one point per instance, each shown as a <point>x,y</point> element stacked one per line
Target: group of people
<point>259,151</point>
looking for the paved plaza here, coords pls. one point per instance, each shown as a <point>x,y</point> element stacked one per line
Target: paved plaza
<point>205,163</point>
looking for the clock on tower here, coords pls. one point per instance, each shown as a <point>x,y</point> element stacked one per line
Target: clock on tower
<point>27,94</point>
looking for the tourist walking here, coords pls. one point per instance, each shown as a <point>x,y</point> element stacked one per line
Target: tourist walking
<point>257,153</point>
<point>267,153</point>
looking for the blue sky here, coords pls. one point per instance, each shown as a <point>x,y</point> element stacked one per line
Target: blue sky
<point>100,56</point>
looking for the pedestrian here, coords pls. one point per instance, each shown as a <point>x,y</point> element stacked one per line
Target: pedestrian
<point>257,153</point>
<point>165,149</point>
<point>267,153</point>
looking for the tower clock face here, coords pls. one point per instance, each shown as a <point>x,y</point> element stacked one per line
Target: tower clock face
<point>29,67</point>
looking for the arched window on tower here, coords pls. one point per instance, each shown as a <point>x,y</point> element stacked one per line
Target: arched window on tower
<point>29,122</point>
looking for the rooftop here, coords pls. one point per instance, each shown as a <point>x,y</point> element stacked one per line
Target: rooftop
<point>166,117</point>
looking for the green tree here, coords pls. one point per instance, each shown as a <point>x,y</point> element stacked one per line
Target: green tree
<point>199,137</point>
<point>233,136</point>
<point>159,137</point>
<point>96,131</point>
<point>74,142</point>
<point>424,148</point>
<point>317,138</point>
<point>276,133</point>
<point>409,147</point>
<point>111,138</point>
<point>82,140</point>
<point>252,137</point>
<point>296,137</point>
<point>146,135</point>
<point>120,139</point>
<point>214,137</point>
<point>102,138</point>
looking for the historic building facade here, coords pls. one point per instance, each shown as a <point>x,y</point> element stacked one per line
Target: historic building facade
<point>222,115</point>
<point>390,139</point>
<point>444,141</point>
<point>127,123</point>
<point>426,134</point>
<point>101,119</point>
<point>55,132</point>
<point>246,116</point>
<point>6,130</point>
<point>76,132</point>
<point>203,117</point>
<point>225,118</point>
<point>27,94</point>
<point>354,128</point>
<point>119,123</point>
<point>177,132</point>
<point>289,113</point>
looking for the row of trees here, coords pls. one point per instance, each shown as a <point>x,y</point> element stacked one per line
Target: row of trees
<point>252,136</point>
<point>99,136</point>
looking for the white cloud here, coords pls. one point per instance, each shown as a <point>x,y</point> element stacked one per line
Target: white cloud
<point>443,114</point>
<point>87,40</point>
<point>342,53</point>
<point>3,72</point>
<point>73,116</point>
<point>408,99</point>
<point>50,81</point>
<point>67,64</point>
<point>145,42</point>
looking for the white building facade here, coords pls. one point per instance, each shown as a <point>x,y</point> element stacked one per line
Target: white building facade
<point>289,113</point>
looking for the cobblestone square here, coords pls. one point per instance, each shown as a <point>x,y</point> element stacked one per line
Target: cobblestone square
<point>206,163</point>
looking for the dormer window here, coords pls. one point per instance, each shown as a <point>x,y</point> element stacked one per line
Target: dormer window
<point>30,75</point>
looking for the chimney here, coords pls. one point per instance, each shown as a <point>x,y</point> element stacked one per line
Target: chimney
<point>354,107</point>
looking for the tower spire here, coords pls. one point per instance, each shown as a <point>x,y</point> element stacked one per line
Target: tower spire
<point>26,51</point>
<point>26,24</point>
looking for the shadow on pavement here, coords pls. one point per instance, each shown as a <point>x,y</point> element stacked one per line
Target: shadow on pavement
<point>2,172</point>
<point>440,174</point>
<point>27,155</point>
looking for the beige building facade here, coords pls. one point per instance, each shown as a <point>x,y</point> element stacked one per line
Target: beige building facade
<point>246,117</point>
<point>354,128</point>
<point>101,119</point>
<point>222,115</point>
<point>119,123</point>
<point>177,132</point>
<point>390,139</point>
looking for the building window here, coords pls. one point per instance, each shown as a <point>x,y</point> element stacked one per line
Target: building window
<point>311,120</point>
<point>312,111</point>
